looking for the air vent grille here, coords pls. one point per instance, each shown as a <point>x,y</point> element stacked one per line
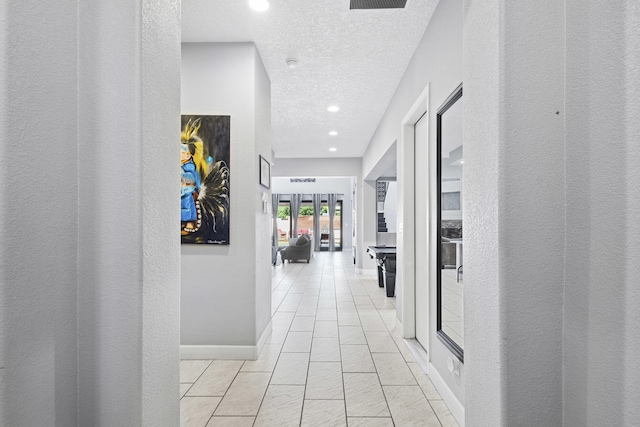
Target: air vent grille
<point>378,4</point>
<point>302,179</point>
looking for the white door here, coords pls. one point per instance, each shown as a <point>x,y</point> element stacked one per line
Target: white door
<point>422,231</point>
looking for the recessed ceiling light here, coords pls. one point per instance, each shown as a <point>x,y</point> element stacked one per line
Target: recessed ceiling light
<point>333,149</point>
<point>333,133</point>
<point>259,5</point>
<point>333,108</point>
<point>292,63</point>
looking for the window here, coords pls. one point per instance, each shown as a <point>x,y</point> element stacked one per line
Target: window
<point>305,223</point>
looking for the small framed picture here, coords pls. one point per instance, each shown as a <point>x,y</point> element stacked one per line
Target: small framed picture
<point>265,172</point>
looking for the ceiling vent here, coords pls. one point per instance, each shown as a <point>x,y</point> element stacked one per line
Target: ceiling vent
<point>378,4</point>
<point>302,179</point>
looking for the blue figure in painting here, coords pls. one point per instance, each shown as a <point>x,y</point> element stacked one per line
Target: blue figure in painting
<point>190,185</point>
<point>204,184</point>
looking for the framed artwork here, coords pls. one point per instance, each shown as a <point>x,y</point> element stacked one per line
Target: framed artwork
<point>265,172</point>
<point>204,181</point>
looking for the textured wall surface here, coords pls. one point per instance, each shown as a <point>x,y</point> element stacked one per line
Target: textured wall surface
<point>38,227</point>
<point>219,283</point>
<point>484,353</point>
<point>530,215</point>
<point>602,319</point>
<point>128,254</point>
<point>551,118</point>
<point>514,136</point>
<point>88,265</point>
<point>160,243</point>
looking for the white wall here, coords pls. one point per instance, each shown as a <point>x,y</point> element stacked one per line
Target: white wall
<point>225,289</point>
<point>514,176</point>
<point>343,186</point>
<point>483,339</point>
<point>89,266</point>
<point>437,63</point>
<point>550,125</point>
<point>327,167</point>
<point>601,295</point>
<point>38,264</point>
<point>262,137</point>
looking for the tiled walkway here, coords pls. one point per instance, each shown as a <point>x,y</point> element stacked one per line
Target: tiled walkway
<point>334,359</point>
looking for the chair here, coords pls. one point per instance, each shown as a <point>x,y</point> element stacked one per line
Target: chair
<point>300,250</point>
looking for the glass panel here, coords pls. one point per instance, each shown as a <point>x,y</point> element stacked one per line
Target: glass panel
<point>284,223</point>
<point>337,231</point>
<point>324,226</point>
<point>305,219</point>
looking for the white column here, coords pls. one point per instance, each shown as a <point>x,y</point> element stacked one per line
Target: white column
<point>38,206</point>
<point>89,255</point>
<point>601,316</point>
<point>514,220</point>
<point>128,246</point>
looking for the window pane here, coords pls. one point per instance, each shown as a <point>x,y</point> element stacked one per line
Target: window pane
<point>324,226</point>
<point>284,223</point>
<point>305,219</point>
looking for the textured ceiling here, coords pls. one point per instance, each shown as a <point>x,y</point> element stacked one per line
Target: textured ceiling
<point>350,58</point>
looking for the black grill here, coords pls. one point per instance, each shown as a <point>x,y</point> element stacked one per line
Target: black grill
<point>378,4</point>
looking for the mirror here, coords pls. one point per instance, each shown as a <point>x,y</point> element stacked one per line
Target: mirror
<point>450,192</point>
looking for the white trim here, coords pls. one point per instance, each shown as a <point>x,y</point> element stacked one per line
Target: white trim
<point>226,352</point>
<point>263,339</point>
<point>418,352</point>
<point>399,327</point>
<point>422,357</point>
<point>406,230</point>
<point>455,407</point>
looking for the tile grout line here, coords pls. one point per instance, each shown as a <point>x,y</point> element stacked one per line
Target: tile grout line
<point>194,383</point>
<point>279,355</point>
<point>344,389</point>
<point>304,395</point>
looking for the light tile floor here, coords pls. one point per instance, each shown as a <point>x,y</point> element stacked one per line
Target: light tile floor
<point>334,358</point>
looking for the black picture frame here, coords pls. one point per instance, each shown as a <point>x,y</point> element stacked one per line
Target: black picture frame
<point>265,173</point>
<point>449,342</point>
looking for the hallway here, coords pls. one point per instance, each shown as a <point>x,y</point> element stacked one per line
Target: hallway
<point>334,359</point>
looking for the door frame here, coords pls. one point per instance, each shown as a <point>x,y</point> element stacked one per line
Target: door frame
<point>406,227</point>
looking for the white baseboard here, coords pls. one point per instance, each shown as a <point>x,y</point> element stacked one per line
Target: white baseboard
<point>223,352</point>
<point>226,352</point>
<point>455,406</point>
<point>263,338</point>
<point>419,353</point>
